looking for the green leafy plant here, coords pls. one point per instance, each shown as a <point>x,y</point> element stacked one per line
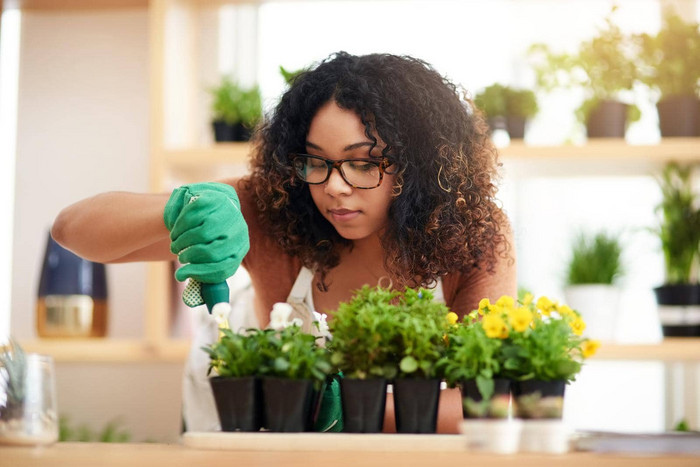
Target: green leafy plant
<point>285,353</point>
<point>110,433</point>
<point>13,367</point>
<point>360,327</point>
<point>233,104</point>
<point>595,259</point>
<point>604,67</point>
<point>539,340</point>
<point>498,100</point>
<point>420,335</point>
<point>679,227</point>
<point>670,59</point>
<point>290,76</point>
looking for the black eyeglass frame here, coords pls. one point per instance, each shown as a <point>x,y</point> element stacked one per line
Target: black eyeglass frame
<point>381,164</point>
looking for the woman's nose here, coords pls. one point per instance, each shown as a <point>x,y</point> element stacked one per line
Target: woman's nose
<point>336,185</point>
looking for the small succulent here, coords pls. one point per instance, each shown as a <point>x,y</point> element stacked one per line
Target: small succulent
<point>12,371</point>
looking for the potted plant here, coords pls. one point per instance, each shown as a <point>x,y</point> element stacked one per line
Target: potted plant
<point>290,76</point>
<point>670,64</point>
<point>235,110</point>
<point>268,378</point>
<point>604,67</point>
<point>419,343</point>
<point>679,232</point>
<point>542,351</point>
<point>592,271</point>
<point>507,108</point>
<point>361,351</point>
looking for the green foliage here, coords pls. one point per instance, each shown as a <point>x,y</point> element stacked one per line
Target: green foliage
<point>471,354</point>
<point>288,353</point>
<point>595,259</point>
<point>380,333</point>
<point>682,426</point>
<point>670,60</point>
<point>544,352</point>
<point>360,327</point>
<point>234,104</point>
<point>110,433</point>
<point>498,100</point>
<point>603,66</point>
<point>679,229</point>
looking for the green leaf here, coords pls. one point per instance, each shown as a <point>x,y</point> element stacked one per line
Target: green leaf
<point>408,364</point>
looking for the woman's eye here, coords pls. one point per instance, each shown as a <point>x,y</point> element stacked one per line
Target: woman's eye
<point>361,166</point>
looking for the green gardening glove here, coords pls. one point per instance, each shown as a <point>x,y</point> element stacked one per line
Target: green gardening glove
<point>207,231</point>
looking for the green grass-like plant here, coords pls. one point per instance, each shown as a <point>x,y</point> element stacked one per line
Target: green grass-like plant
<point>595,259</point>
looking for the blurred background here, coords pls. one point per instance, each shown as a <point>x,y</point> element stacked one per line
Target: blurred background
<point>119,95</point>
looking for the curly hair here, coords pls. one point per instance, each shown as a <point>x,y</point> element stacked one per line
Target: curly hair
<point>443,217</point>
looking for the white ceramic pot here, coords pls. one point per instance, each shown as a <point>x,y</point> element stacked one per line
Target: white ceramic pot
<point>545,436</point>
<point>498,436</point>
<point>599,307</point>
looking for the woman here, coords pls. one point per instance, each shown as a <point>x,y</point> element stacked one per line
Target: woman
<point>371,169</point>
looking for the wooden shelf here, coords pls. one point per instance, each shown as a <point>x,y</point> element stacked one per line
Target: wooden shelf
<point>678,149</point>
<point>217,154</point>
<point>110,350</point>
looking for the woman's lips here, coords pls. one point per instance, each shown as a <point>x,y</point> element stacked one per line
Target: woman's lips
<point>343,215</point>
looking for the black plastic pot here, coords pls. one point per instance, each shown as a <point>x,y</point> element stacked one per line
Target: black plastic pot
<point>238,403</point>
<point>679,116</point>
<point>679,309</point>
<point>241,132</point>
<point>607,120</point>
<point>223,132</point>
<point>364,401</point>
<point>416,405</point>
<point>515,126</point>
<point>470,390</point>
<point>289,404</point>
<point>539,399</point>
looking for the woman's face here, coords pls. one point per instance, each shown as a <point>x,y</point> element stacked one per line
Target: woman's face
<point>356,214</point>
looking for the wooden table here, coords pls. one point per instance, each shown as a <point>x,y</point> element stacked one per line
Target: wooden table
<point>175,455</point>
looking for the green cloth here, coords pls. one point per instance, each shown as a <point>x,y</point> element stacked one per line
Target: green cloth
<point>330,414</point>
<point>207,231</point>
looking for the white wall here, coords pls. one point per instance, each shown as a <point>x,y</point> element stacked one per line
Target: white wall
<point>83,126</point>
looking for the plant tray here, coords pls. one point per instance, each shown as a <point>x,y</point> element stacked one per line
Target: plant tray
<point>268,441</point>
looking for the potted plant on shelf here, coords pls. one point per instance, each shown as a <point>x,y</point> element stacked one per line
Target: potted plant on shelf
<point>679,232</point>
<point>592,272</point>
<point>419,343</point>
<point>361,350</point>
<point>670,64</point>
<point>507,108</point>
<point>235,110</point>
<point>604,67</point>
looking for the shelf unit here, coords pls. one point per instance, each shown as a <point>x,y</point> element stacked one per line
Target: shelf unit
<point>188,155</point>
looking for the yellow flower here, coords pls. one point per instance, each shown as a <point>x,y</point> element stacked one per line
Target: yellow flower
<point>493,324</point>
<point>520,318</point>
<point>452,318</point>
<point>577,325</point>
<point>506,302</point>
<point>484,305</point>
<point>590,347</point>
<point>527,299</point>
<point>545,305</point>
<point>565,310</point>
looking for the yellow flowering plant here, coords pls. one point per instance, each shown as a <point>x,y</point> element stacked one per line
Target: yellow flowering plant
<point>540,340</point>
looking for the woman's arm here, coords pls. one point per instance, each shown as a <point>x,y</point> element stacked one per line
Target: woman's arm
<point>115,227</point>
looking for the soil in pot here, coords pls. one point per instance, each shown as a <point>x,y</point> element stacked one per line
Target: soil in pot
<point>539,399</point>
<point>679,116</point>
<point>607,120</point>
<point>497,407</point>
<point>416,405</point>
<point>363,404</point>
<point>238,403</point>
<point>288,404</point>
<point>679,309</point>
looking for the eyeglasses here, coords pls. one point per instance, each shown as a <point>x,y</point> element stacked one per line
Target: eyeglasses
<point>364,174</point>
